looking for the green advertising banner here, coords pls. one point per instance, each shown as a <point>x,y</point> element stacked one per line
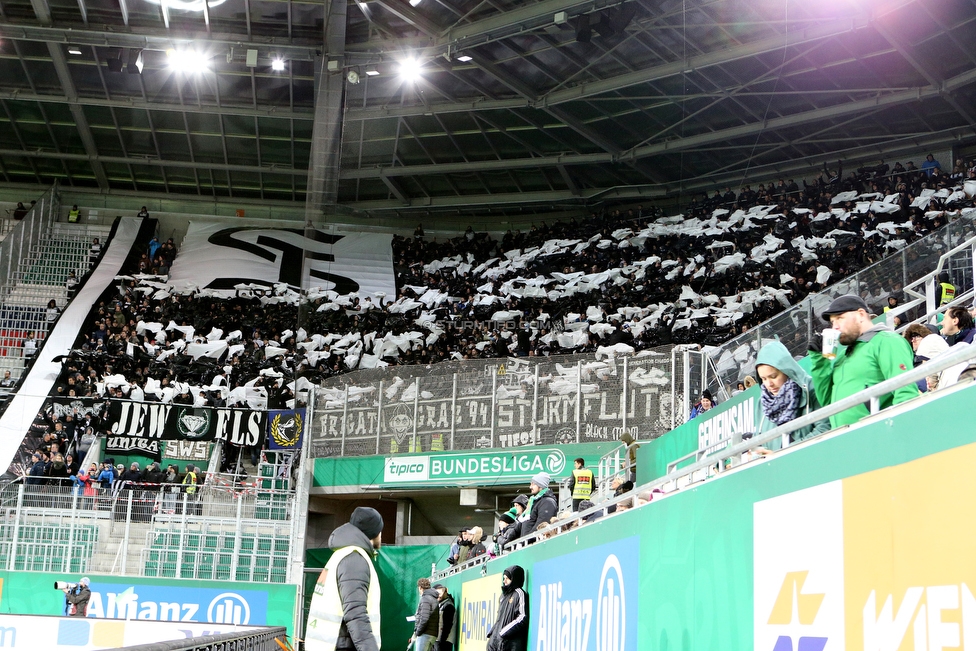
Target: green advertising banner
<point>860,540</point>
<point>734,415</point>
<point>118,597</point>
<point>398,569</point>
<point>501,466</point>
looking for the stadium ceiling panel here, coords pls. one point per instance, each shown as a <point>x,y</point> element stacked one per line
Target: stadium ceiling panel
<point>512,104</point>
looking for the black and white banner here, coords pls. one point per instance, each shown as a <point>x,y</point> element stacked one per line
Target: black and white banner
<point>217,257</point>
<point>188,450</point>
<point>75,407</point>
<point>152,421</point>
<point>126,445</point>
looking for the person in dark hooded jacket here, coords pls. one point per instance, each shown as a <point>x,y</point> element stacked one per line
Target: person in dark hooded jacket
<point>354,581</point>
<point>427,619</point>
<point>542,505</point>
<point>445,630</point>
<point>511,629</point>
<point>513,528</point>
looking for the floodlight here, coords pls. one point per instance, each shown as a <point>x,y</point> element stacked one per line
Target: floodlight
<point>187,61</point>
<point>278,65</point>
<point>74,50</point>
<point>414,3</point>
<point>371,71</point>
<point>410,70</point>
<point>464,58</point>
<point>188,5</point>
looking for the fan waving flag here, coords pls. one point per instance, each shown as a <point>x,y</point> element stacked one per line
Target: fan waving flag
<point>285,429</point>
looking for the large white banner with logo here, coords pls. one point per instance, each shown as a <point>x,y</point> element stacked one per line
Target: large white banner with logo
<point>799,570</point>
<point>219,257</point>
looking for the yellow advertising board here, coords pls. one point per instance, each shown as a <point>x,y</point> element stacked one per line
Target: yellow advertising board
<point>478,610</point>
<point>881,561</point>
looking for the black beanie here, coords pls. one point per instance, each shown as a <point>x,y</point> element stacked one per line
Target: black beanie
<point>367,520</point>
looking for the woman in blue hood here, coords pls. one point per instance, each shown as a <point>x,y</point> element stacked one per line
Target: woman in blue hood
<point>787,393</point>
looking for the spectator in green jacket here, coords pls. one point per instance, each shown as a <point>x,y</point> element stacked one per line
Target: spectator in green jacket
<point>868,354</point>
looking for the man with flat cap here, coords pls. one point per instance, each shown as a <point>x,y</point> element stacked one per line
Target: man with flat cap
<point>345,609</point>
<point>868,354</point>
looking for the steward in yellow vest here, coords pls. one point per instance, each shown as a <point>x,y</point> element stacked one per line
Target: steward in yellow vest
<point>348,619</point>
<point>74,214</point>
<point>947,291</point>
<point>190,481</point>
<point>581,483</point>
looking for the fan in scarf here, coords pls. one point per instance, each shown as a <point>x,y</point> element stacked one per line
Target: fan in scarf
<point>781,407</point>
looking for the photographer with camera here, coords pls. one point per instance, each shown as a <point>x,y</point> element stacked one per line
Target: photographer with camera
<point>76,596</point>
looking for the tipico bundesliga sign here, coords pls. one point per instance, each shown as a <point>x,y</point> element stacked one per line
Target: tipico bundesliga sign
<point>506,467</point>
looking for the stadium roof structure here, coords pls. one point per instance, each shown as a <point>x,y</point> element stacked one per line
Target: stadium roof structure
<point>515,104</point>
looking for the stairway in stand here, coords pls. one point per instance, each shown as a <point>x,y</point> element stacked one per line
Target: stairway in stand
<point>39,278</point>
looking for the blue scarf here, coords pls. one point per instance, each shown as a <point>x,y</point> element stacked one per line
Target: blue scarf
<point>781,408</point>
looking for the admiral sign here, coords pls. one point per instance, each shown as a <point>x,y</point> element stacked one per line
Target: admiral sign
<point>478,611</point>
<point>498,467</point>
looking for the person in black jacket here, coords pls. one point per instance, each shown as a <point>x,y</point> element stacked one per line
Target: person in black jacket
<point>511,629</point>
<point>542,504</point>
<point>353,582</point>
<point>427,619</point>
<point>445,631</point>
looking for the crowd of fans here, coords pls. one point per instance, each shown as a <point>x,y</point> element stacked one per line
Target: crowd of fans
<point>638,280</point>
<point>614,281</point>
<point>56,462</point>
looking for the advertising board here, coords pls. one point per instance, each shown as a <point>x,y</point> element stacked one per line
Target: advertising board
<point>81,634</point>
<point>145,599</point>
<point>478,610</point>
<point>587,600</point>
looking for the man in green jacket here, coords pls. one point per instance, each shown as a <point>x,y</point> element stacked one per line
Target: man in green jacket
<point>868,354</point>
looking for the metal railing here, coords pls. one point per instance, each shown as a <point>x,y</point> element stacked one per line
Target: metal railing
<point>715,463</point>
<point>27,234</point>
<point>504,402</point>
<point>262,639</point>
<point>795,326</point>
<point>122,515</point>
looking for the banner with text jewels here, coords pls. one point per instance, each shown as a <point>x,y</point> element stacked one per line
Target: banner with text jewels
<point>140,427</point>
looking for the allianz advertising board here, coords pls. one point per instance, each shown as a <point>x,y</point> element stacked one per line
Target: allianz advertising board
<point>586,601</point>
<point>178,604</point>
